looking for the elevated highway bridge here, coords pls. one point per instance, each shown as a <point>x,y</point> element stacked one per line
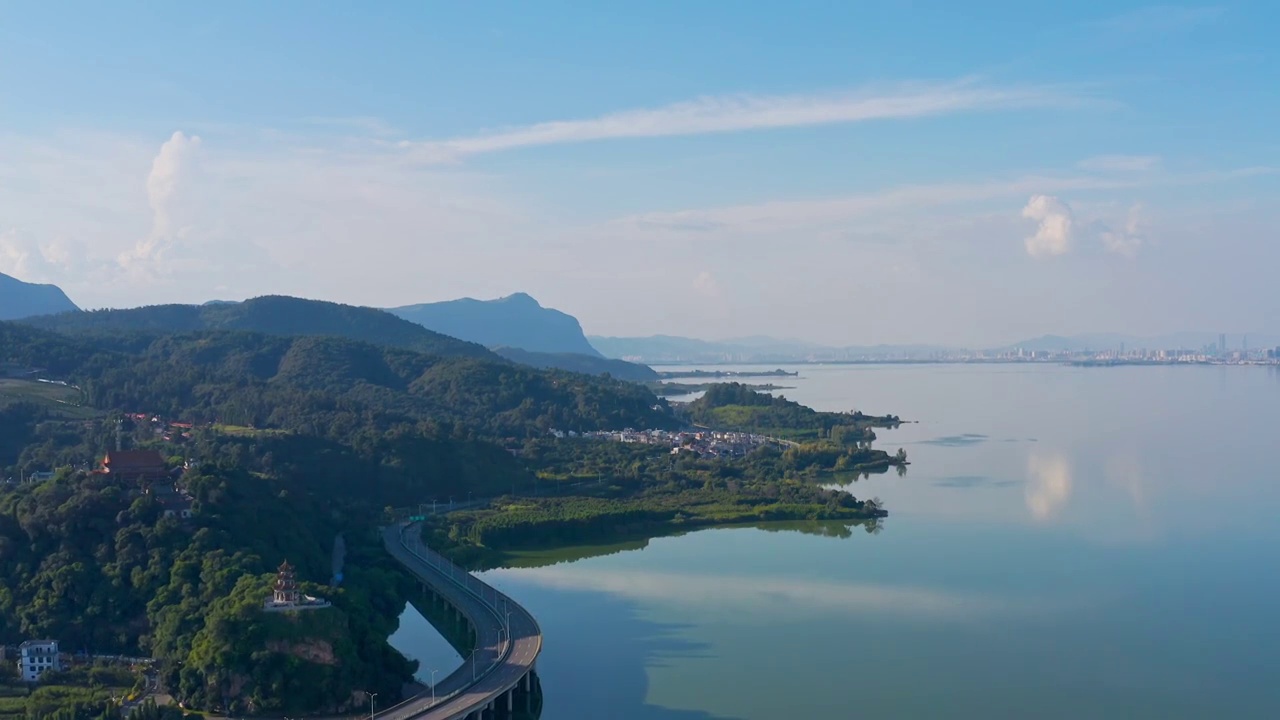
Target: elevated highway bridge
<point>499,679</point>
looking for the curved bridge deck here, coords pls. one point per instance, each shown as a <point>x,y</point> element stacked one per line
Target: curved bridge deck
<point>499,676</point>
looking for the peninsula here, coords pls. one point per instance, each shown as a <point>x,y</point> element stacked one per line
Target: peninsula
<point>745,457</point>
<point>222,442</point>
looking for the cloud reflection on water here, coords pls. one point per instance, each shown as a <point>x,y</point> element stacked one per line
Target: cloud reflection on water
<point>1048,485</point>
<point>746,594</point>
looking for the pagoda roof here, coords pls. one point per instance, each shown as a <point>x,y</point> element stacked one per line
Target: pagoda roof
<point>133,458</point>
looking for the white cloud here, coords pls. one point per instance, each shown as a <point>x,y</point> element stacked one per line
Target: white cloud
<point>1128,238</point>
<point>169,170</point>
<point>718,114</point>
<point>706,284</point>
<point>1120,163</point>
<point>186,220</point>
<point>1054,229</point>
<point>1058,229</point>
<point>13,256</point>
<point>32,260</point>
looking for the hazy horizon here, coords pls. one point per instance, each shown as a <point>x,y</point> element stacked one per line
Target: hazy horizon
<point>927,175</point>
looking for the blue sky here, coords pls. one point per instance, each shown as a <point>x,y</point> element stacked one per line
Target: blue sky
<point>844,172</point>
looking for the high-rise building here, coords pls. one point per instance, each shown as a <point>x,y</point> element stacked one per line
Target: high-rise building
<point>1222,342</point>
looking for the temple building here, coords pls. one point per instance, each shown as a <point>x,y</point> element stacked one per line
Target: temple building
<point>141,465</point>
<point>285,594</point>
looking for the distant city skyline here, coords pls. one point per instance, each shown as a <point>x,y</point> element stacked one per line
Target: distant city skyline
<point>922,173</point>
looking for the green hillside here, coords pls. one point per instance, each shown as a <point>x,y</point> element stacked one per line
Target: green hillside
<point>329,387</point>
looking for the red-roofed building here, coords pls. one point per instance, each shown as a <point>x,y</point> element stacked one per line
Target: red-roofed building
<point>144,465</point>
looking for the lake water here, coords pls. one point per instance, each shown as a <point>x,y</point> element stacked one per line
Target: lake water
<point>1068,543</point>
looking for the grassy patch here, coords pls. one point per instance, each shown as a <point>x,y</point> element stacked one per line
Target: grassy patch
<point>245,431</point>
<point>62,400</point>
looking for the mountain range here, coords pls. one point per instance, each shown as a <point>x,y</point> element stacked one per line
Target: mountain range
<point>269,315</point>
<point>20,299</point>
<point>518,328</point>
<point>289,316</point>
<point>1171,341</point>
<point>515,327</point>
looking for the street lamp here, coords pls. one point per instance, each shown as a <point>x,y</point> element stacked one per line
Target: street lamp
<point>433,686</point>
<point>371,697</point>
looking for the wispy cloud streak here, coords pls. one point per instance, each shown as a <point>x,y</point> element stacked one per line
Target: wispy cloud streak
<point>1120,163</point>
<point>1160,19</point>
<point>733,113</point>
<point>778,215</point>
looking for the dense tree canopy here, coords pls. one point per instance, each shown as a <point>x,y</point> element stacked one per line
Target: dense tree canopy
<point>91,560</point>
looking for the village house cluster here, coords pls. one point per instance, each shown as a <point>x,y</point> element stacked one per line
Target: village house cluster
<point>703,443</point>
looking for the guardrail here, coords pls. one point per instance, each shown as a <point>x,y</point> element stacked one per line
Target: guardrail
<point>465,585</point>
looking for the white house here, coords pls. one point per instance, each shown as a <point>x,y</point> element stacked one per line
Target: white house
<point>37,656</point>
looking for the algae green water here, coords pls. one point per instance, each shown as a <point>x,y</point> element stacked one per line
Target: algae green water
<point>1068,542</point>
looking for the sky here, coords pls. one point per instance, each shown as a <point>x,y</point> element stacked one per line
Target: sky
<point>846,173</point>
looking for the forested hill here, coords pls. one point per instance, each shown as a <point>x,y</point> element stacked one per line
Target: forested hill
<point>326,386</point>
<point>271,315</point>
<point>20,299</point>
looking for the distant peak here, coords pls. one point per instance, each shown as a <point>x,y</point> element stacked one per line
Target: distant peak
<point>521,298</point>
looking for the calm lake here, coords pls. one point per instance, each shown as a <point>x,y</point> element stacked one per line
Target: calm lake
<point>1067,543</point>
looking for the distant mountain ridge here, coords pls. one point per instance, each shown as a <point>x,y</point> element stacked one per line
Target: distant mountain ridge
<point>1190,340</point>
<point>675,349</point>
<point>520,329</point>
<point>574,362</point>
<point>670,349</point>
<point>517,321</point>
<point>270,315</point>
<point>20,299</point>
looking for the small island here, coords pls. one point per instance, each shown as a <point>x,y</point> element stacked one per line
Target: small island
<point>671,389</point>
<point>677,374</point>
